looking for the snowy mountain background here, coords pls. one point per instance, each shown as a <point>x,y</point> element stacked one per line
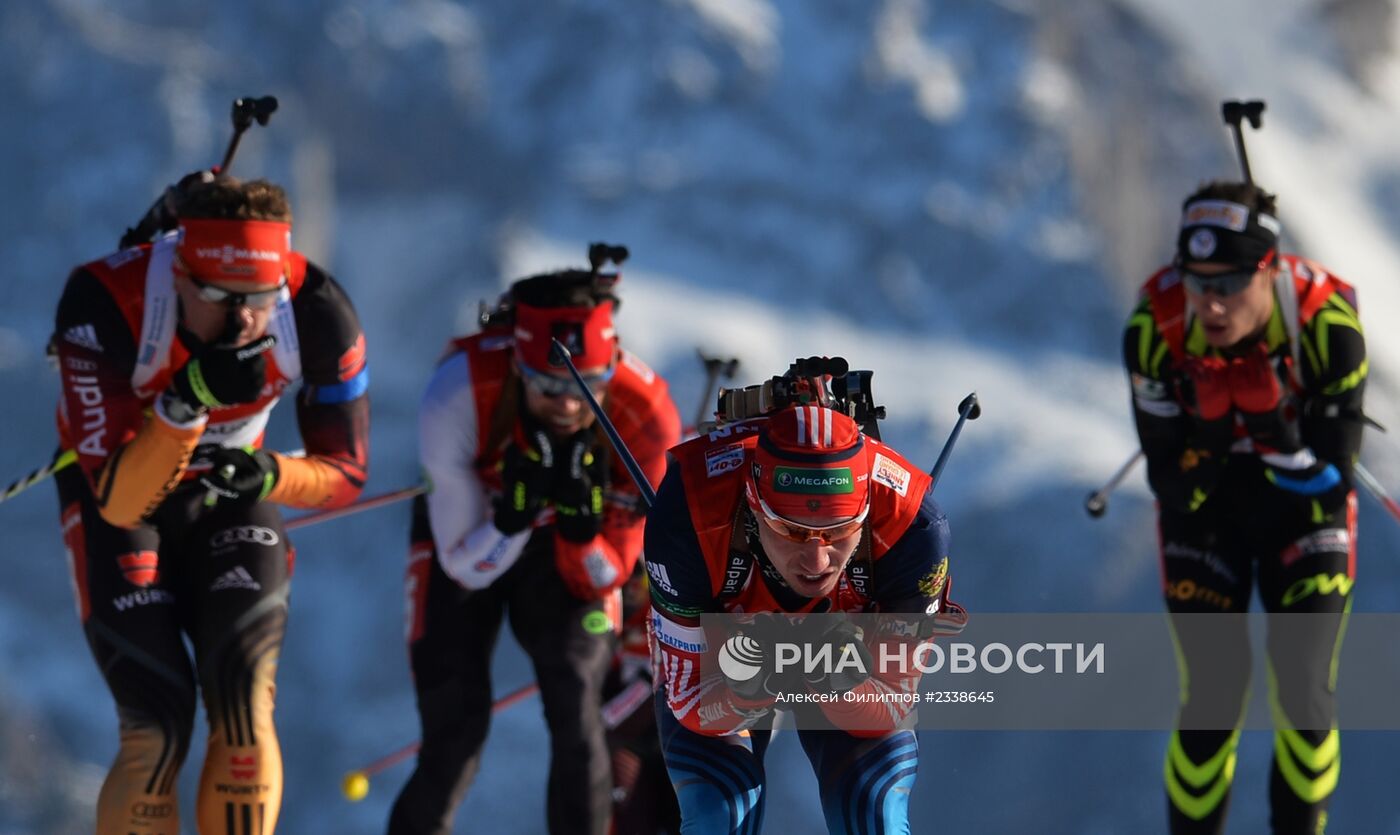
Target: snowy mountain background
<point>957,195</point>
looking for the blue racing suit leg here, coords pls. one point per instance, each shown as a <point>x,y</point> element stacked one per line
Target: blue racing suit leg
<point>865,782</point>
<point>718,779</point>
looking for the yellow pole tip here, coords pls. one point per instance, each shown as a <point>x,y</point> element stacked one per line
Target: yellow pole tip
<point>355,786</point>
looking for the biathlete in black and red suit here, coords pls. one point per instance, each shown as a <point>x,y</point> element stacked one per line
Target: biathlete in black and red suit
<point>172,356</point>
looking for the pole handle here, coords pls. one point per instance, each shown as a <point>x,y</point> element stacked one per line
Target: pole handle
<point>968,409</point>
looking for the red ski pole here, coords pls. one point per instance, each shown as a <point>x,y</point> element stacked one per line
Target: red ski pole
<point>356,783</point>
<point>363,504</point>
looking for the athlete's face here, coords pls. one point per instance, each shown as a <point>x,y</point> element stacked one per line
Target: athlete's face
<point>552,398</point>
<point>232,312</point>
<point>811,568</point>
<point>1229,318</point>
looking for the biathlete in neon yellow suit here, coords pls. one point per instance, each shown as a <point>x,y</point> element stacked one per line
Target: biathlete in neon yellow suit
<point>1247,369</point>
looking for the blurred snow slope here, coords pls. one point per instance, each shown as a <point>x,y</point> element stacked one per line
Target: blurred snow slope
<point>958,196</point>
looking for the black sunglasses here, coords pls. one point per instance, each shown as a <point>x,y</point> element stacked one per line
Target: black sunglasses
<point>1224,284</point>
<point>259,300</point>
<point>551,386</point>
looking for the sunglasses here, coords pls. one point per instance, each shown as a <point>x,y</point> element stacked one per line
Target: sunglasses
<point>260,300</point>
<point>1224,284</point>
<point>826,534</point>
<point>549,385</point>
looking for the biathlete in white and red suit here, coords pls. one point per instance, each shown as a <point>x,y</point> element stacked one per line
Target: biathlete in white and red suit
<point>531,517</point>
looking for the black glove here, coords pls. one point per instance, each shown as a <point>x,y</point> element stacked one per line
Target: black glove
<point>525,475</point>
<point>240,477</point>
<point>1274,431</point>
<point>223,375</point>
<point>577,488</point>
<point>749,661</point>
<point>847,647</point>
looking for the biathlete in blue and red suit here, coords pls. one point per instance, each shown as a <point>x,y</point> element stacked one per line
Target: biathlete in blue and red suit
<point>173,355</point>
<point>530,518</point>
<point>798,513</point>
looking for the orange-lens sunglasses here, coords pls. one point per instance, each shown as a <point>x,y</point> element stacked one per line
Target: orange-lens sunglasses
<point>799,533</point>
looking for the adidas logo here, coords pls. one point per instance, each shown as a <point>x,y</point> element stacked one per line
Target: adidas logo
<point>84,336</point>
<point>660,578</point>
<point>236,578</point>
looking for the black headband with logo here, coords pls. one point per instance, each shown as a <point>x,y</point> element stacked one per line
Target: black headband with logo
<point>1225,232</point>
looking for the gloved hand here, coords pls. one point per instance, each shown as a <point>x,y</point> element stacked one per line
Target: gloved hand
<point>1254,386</point>
<point>847,647</point>
<point>525,474</point>
<point>240,477</point>
<point>591,570</point>
<point>1258,394</point>
<point>223,375</point>
<point>1211,381</point>
<point>748,659</point>
<point>576,489</point>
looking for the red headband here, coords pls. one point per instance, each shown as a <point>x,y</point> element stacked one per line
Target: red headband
<point>236,250</point>
<point>587,332</point>
<point>810,462</point>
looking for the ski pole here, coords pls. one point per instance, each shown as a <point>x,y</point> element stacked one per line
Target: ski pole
<point>968,409</point>
<point>715,368</point>
<point>560,355</point>
<point>1373,486</point>
<point>356,507</point>
<point>1097,502</point>
<point>356,783</point>
<point>66,458</point>
<point>61,459</point>
<point>953,617</point>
